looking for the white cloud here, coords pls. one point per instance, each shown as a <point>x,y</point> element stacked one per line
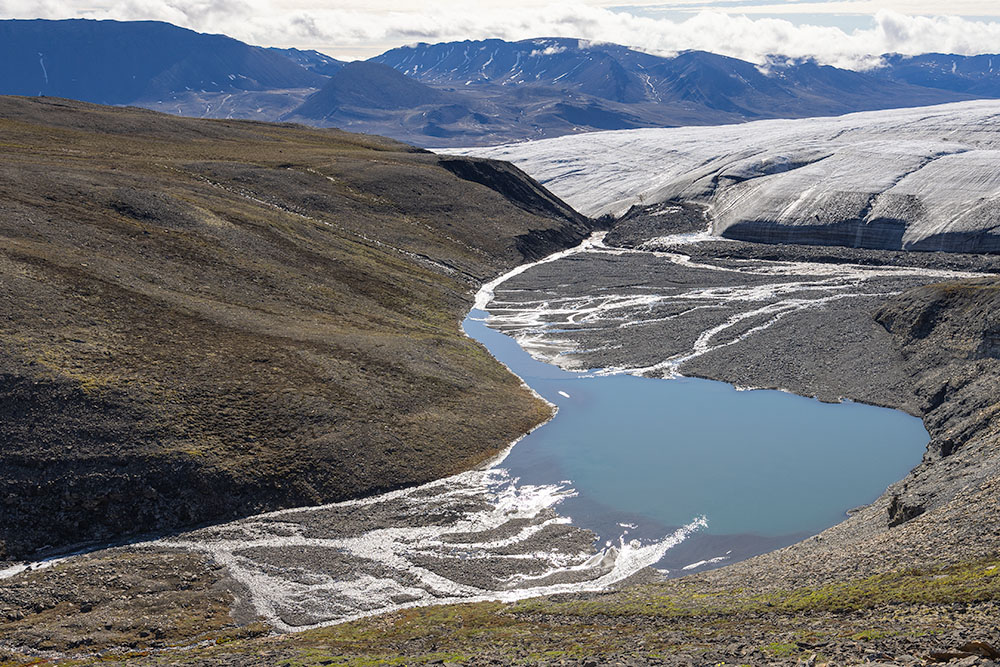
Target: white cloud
<point>359,28</point>
<point>547,51</point>
<point>867,7</point>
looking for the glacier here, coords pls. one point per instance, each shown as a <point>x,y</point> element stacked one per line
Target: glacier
<point>925,178</point>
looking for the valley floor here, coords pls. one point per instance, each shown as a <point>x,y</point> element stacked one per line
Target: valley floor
<point>913,578</point>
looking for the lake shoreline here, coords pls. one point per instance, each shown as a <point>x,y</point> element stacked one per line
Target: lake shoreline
<point>698,546</point>
<point>863,350</point>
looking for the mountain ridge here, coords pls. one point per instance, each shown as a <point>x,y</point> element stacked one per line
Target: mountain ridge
<point>544,87</point>
<point>466,93</point>
<point>130,61</point>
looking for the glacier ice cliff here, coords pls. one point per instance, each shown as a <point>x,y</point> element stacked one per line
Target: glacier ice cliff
<point>914,179</point>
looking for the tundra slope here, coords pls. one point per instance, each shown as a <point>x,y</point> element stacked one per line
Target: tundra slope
<point>913,179</point>
<point>207,319</point>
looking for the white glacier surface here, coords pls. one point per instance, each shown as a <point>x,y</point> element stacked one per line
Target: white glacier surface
<point>918,179</point>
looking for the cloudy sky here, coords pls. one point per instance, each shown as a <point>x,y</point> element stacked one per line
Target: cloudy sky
<point>839,32</point>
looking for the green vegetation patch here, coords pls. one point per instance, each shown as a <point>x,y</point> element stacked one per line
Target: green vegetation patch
<point>909,612</point>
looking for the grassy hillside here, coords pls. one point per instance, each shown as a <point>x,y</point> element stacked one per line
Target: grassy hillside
<point>200,319</point>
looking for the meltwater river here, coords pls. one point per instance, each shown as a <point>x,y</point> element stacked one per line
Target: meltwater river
<point>677,474</point>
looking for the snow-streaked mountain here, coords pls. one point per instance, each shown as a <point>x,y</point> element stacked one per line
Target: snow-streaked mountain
<point>917,179</point>
<point>718,88</point>
<point>312,60</point>
<point>978,75</point>
<point>458,93</point>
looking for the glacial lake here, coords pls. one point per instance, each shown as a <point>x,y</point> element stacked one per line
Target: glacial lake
<point>647,456</point>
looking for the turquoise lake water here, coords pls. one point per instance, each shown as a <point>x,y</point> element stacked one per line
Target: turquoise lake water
<point>647,456</point>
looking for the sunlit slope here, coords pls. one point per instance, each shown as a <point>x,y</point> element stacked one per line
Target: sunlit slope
<point>200,319</point>
<point>913,179</point>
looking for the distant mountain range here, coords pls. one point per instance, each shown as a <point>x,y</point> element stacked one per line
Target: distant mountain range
<point>458,93</point>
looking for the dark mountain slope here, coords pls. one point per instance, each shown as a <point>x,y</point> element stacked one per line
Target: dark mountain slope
<point>975,75</point>
<point>718,83</point>
<point>803,89</point>
<point>314,61</point>
<point>570,85</point>
<point>114,62</point>
<point>200,319</point>
<point>372,97</point>
<point>457,93</point>
<point>367,85</point>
